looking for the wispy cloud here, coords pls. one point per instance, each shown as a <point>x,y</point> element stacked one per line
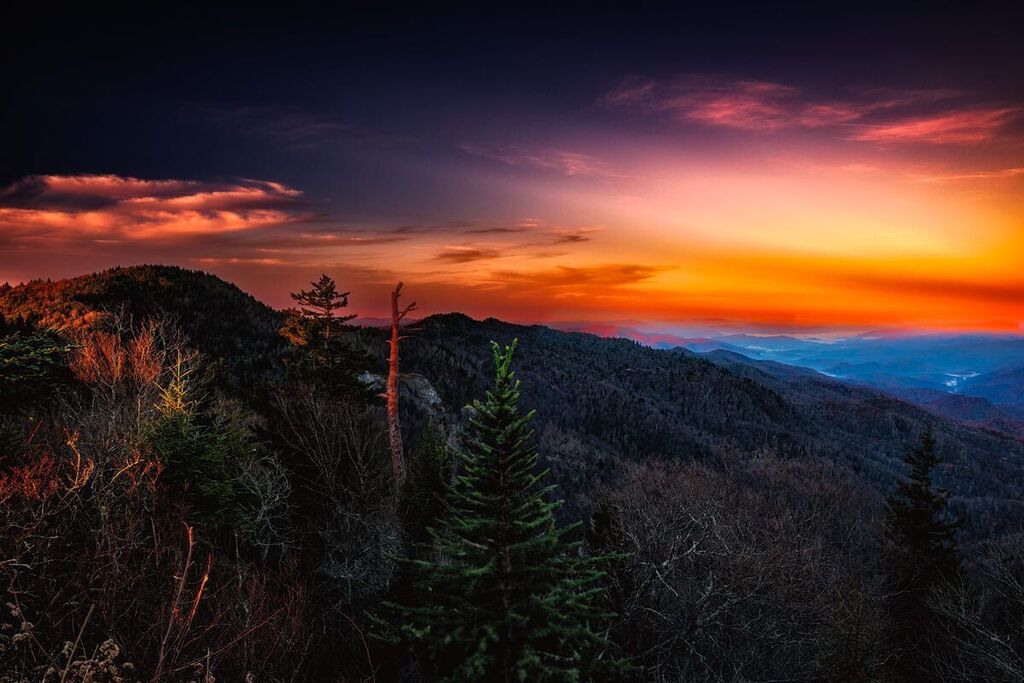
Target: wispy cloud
<point>571,238</point>
<point>608,275</point>
<point>556,235</point>
<point>468,254</point>
<point>994,174</point>
<point>958,127</point>
<point>563,161</point>
<point>496,230</point>
<point>532,240</point>
<point>465,227</point>
<point>207,261</point>
<point>867,115</point>
<point>324,239</point>
<point>734,103</point>
<point>291,126</point>
<point>96,191</point>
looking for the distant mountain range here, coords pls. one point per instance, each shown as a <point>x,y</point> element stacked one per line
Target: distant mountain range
<point>972,377</point>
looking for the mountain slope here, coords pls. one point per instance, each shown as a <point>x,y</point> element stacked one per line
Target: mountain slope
<point>218,318</point>
<point>599,401</point>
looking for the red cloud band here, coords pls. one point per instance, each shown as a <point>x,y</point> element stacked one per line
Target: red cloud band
<point>120,208</point>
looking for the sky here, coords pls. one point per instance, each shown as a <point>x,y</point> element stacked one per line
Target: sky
<point>791,168</point>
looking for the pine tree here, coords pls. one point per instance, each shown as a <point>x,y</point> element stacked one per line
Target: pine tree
<point>33,365</point>
<point>505,598</point>
<point>421,506</point>
<point>921,556</point>
<point>323,353</point>
<point>322,302</point>
<point>423,495</point>
<point>194,452</point>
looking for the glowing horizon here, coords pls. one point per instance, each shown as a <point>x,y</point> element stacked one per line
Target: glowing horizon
<point>691,198</point>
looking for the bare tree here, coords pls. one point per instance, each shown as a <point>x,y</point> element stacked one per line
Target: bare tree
<point>394,427</point>
<point>984,624</point>
<point>725,579</point>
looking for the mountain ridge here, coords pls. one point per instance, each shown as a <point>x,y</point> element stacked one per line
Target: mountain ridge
<point>600,402</point>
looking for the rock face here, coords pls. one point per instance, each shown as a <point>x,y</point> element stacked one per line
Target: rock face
<point>416,392</point>
<point>419,390</point>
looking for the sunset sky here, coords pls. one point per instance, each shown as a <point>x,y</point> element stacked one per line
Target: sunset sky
<point>761,169</point>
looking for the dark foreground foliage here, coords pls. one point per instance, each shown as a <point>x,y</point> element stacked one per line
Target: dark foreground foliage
<point>185,497</point>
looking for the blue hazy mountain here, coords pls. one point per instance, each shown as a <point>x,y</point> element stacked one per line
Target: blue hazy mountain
<point>975,378</point>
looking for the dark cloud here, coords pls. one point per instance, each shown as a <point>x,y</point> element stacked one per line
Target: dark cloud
<point>610,275</point>
<point>468,254</point>
<point>495,231</point>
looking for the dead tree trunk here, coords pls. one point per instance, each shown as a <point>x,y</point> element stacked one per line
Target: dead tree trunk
<point>394,426</point>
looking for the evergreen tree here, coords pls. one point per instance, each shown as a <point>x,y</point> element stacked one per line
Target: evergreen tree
<point>505,598</point>
<point>922,555</point>
<point>423,495</point>
<point>322,302</point>
<point>194,453</point>
<point>33,365</point>
<point>317,331</point>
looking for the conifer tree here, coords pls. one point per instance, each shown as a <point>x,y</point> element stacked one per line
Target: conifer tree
<point>505,598</point>
<point>423,495</point>
<point>194,452</point>
<point>33,365</point>
<point>316,329</point>
<point>322,302</point>
<point>921,556</point>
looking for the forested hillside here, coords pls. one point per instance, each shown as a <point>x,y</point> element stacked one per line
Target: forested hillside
<point>195,487</point>
<point>668,404</point>
<point>602,401</point>
<point>231,328</point>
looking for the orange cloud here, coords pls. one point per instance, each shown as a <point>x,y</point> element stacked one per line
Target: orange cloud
<point>116,208</point>
<point>234,260</point>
